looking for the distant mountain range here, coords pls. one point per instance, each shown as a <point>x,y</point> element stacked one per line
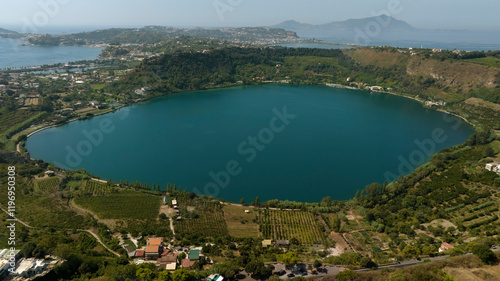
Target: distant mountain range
<point>387,23</point>
<point>6,31</point>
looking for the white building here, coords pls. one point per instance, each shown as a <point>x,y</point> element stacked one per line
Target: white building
<point>494,167</point>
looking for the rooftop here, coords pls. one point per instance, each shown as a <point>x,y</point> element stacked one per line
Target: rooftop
<point>267,243</point>
<point>155,241</point>
<point>152,249</point>
<point>187,263</point>
<point>194,255</point>
<point>168,258</point>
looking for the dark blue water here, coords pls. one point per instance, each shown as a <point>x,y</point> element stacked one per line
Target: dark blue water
<point>338,141</point>
<point>12,55</point>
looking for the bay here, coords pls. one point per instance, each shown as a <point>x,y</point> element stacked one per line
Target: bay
<point>312,141</point>
<point>440,39</point>
<point>14,55</point>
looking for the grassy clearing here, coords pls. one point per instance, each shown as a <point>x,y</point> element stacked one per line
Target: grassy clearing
<point>97,86</point>
<point>122,205</point>
<point>488,61</point>
<point>239,223</point>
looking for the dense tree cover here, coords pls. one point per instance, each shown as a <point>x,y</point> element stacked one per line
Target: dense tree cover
<point>484,252</point>
<point>193,71</point>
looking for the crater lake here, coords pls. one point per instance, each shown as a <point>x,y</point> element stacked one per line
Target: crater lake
<point>284,142</point>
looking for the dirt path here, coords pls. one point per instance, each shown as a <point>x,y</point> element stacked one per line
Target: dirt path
<point>99,240</point>
<point>85,230</point>
<point>83,211</point>
<point>172,228</point>
<point>17,220</point>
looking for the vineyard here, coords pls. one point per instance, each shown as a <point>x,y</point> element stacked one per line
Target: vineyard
<point>483,216</point>
<point>48,185</point>
<point>206,219</point>
<point>284,225</point>
<point>122,205</point>
<point>97,188</point>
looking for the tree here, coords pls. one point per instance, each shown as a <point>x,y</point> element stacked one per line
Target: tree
<point>183,275</point>
<point>289,258</point>
<point>28,249</point>
<point>145,274</point>
<point>484,252</point>
<point>317,264</point>
<point>372,189</point>
<point>253,267</point>
<point>242,201</point>
<point>257,201</point>
<point>163,216</point>
<point>274,278</point>
<point>366,262</point>
<point>165,276</point>
<point>227,270</point>
<point>294,241</point>
<point>489,152</point>
<point>336,223</point>
<point>39,252</point>
<point>181,256</point>
<point>410,251</point>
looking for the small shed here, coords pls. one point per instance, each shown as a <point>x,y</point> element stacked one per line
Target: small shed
<point>282,242</point>
<point>266,243</point>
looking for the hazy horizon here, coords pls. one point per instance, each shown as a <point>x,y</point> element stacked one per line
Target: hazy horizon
<point>31,15</point>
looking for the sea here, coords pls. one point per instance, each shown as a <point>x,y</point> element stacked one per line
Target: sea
<point>433,39</point>
<point>15,53</point>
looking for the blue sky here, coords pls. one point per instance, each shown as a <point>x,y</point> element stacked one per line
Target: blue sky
<point>442,14</point>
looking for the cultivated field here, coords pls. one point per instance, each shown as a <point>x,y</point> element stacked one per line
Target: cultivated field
<point>123,205</point>
<point>285,225</point>
<point>48,184</point>
<point>200,217</point>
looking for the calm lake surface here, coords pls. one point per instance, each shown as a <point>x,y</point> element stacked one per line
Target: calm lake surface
<point>312,141</point>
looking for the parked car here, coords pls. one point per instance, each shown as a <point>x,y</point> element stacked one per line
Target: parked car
<point>280,273</point>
